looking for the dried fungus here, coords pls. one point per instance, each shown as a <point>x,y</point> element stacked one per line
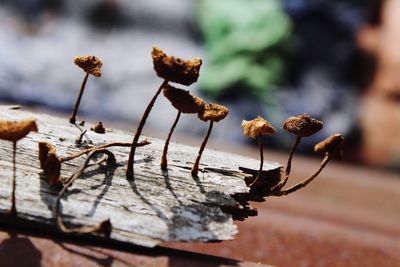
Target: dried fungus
<point>89,64</point>
<point>175,69</point>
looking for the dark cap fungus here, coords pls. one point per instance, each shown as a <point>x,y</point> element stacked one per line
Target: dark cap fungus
<point>90,64</point>
<point>212,112</point>
<point>302,125</point>
<point>333,144</point>
<point>16,130</point>
<point>98,128</point>
<point>175,69</point>
<point>256,127</point>
<point>50,163</point>
<point>182,100</point>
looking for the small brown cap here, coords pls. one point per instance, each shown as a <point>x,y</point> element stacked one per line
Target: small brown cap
<point>16,130</point>
<point>256,127</point>
<point>182,100</point>
<point>175,69</point>
<point>50,163</point>
<point>89,64</point>
<point>212,112</point>
<point>302,125</point>
<point>333,144</point>
<point>98,128</point>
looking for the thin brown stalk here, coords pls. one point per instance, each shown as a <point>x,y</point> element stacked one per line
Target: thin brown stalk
<point>164,161</point>
<point>103,227</point>
<point>85,151</point>
<point>288,165</point>
<point>13,210</point>
<point>305,181</point>
<point>131,160</point>
<point>78,100</point>
<point>195,168</point>
<point>261,146</point>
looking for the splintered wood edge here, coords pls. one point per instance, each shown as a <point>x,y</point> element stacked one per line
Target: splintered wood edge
<point>156,206</point>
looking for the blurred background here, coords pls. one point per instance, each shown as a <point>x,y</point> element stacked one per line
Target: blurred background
<point>335,60</point>
<point>338,61</point>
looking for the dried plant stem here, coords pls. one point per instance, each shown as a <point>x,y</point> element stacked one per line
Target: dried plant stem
<point>288,165</point>
<point>129,170</point>
<point>164,161</point>
<point>305,181</point>
<point>261,147</point>
<point>78,100</point>
<point>103,227</point>
<point>195,168</point>
<point>85,151</point>
<point>78,140</point>
<point>13,210</point>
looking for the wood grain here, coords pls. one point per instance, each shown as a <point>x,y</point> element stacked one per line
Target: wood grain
<point>156,206</point>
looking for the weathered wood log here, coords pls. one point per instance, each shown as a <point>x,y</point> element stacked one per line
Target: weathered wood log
<point>156,206</point>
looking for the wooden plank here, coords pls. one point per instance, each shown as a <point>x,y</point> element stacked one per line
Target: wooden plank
<point>156,206</point>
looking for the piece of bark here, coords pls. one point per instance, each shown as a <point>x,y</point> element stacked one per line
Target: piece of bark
<point>156,206</point>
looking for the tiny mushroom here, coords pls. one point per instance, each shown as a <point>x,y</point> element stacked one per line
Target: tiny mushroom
<point>331,147</point>
<point>90,65</point>
<point>301,126</point>
<point>184,103</point>
<point>172,69</point>
<point>212,113</point>
<point>98,128</point>
<point>256,128</point>
<point>14,131</point>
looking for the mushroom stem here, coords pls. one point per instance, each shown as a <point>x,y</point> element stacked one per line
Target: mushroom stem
<point>13,210</point>
<point>85,151</point>
<point>305,181</point>
<point>195,168</point>
<point>260,145</point>
<point>103,227</point>
<point>78,100</point>
<point>129,170</point>
<point>288,165</point>
<point>164,162</point>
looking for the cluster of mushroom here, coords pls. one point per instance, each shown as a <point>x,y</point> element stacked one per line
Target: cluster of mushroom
<point>301,126</point>
<point>184,72</point>
<point>170,69</point>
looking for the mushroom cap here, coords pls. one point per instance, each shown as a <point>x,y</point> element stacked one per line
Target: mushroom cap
<point>98,128</point>
<point>256,127</point>
<point>16,130</point>
<point>90,64</point>
<point>182,100</point>
<point>175,69</point>
<point>302,125</point>
<point>212,112</point>
<point>333,144</point>
<point>50,163</point>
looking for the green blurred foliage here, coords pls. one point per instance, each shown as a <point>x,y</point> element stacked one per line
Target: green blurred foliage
<point>247,43</point>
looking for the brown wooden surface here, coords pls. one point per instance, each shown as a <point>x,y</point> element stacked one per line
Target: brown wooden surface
<point>18,248</point>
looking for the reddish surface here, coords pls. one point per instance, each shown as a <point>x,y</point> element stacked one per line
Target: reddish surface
<point>349,216</point>
<point>27,250</point>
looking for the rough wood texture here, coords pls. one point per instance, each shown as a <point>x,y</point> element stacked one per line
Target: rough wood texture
<point>156,206</point>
